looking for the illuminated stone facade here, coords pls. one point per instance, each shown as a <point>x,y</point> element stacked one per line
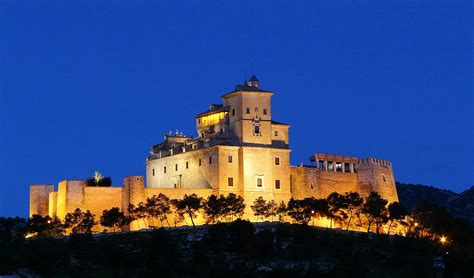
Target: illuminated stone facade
<point>238,149</point>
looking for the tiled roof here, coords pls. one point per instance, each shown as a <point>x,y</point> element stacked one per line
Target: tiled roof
<point>278,123</point>
<point>214,110</point>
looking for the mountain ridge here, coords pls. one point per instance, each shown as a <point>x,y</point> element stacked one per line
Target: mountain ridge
<point>459,204</point>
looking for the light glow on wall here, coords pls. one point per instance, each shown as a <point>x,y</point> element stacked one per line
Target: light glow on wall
<point>213,119</point>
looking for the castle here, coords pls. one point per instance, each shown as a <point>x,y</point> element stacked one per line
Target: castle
<point>239,149</point>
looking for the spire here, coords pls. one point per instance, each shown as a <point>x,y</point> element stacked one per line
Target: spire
<point>253,78</point>
<point>253,82</point>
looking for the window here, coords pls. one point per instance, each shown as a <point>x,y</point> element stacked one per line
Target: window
<point>176,167</point>
<point>187,165</point>
<point>210,160</point>
<point>199,162</point>
<point>256,130</point>
<point>222,131</point>
<point>384,179</point>
<point>277,161</point>
<point>247,111</point>
<point>230,181</point>
<point>233,112</point>
<point>265,111</point>
<point>175,185</point>
<point>229,159</point>
<point>277,184</point>
<point>153,172</point>
<point>347,167</point>
<point>259,182</point>
<point>164,169</point>
<point>321,165</point>
<point>202,134</point>
<point>330,166</point>
<point>199,120</point>
<point>256,109</point>
<point>276,133</point>
<point>338,166</point>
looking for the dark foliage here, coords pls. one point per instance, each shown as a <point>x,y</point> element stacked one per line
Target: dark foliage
<point>104,182</point>
<point>44,226</point>
<point>460,205</point>
<point>79,222</point>
<point>234,249</point>
<point>113,218</point>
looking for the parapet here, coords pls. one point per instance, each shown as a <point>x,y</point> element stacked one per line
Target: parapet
<point>374,161</point>
<point>39,198</point>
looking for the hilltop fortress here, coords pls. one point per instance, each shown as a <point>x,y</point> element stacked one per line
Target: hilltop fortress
<point>239,149</point>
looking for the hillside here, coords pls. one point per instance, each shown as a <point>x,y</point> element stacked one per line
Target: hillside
<point>459,204</point>
<point>238,249</point>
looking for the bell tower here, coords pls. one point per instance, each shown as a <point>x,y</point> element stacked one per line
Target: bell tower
<point>249,113</point>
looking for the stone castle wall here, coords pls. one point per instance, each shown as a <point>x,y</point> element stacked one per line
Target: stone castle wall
<point>39,198</point>
<point>297,182</point>
<point>187,170</point>
<point>313,182</point>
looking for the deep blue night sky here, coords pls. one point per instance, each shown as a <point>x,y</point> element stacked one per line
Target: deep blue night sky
<point>90,86</point>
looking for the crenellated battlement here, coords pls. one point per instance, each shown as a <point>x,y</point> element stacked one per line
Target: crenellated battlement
<point>374,161</point>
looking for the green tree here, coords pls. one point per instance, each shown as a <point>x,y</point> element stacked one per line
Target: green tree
<point>272,210</point>
<point>44,226</point>
<point>151,209</point>
<point>301,210</point>
<point>396,213</point>
<point>141,212</point>
<point>12,228</point>
<point>354,204</point>
<point>164,208</point>
<point>213,208</point>
<point>259,207</point>
<point>374,209</point>
<point>189,205</point>
<point>337,204</point>
<point>99,180</point>
<point>281,211</point>
<point>233,206</point>
<point>112,218</point>
<point>79,222</point>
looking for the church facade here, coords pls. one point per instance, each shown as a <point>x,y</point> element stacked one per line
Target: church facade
<point>238,149</point>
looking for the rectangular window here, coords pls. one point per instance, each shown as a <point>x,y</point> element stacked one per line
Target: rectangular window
<point>229,159</point>
<point>164,169</point>
<point>153,172</point>
<point>259,182</point>
<point>199,162</point>
<point>230,181</point>
<point>277,184</point>
<point>338,166</point>
<point>210,160</point>
<point>277,161</point>
<point>176,167</point>
<point>247,110</point>
<point>276,133</point>
<point>265,111</point>
<point>321,165</point>
<point>330,166</point>
<point>256,130</point>
<point>199,120</point>
<point>187,165</point>
<point>233,112</point>
<point>347,167</point>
